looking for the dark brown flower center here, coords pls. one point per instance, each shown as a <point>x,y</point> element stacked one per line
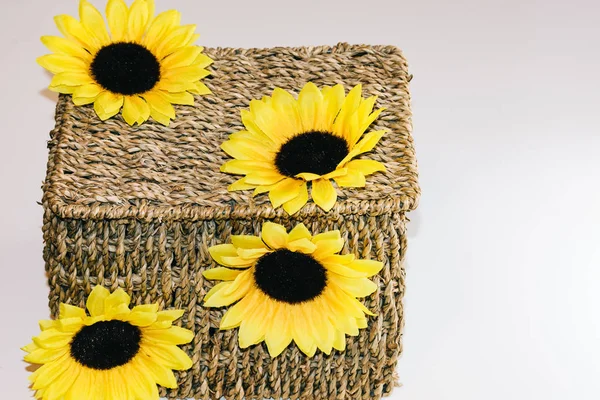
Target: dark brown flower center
<point>125,68</point>
<point>290,276</point>
<point>106,344</point>
<point>316,152</point>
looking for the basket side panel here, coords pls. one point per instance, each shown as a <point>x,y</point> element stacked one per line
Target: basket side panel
<point>163,263</point>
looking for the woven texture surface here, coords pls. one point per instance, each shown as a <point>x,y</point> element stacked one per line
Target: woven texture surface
<point>138,208</point>
<point>111,170</point>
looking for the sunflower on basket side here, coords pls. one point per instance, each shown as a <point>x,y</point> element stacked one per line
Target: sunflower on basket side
<point>291,287</point>
<point>113,353</point>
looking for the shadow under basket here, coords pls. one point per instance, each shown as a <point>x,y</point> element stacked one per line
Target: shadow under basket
<point>138,208</point>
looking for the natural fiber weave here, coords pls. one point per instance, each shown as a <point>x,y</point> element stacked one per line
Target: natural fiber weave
<point>139,207</point>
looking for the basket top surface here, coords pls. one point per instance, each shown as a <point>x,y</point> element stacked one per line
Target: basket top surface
<point>107,169</point>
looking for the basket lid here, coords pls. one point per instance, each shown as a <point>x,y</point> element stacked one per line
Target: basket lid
<point>109,170</point>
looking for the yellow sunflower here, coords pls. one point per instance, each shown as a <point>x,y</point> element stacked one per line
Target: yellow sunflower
<point>141,64</point>
<point>288,143</point>
<point>114,353</point>
<point>291,286</point>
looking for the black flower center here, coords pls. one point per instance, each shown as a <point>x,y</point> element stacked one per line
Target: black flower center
<point>106,344</point>
<point>125,68</point>
<point>289,276</point>
<point>315,151</point>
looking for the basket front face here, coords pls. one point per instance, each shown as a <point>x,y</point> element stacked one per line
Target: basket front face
<point>163,262</point>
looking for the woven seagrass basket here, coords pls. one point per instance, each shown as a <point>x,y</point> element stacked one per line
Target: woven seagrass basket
<point>139,207</point>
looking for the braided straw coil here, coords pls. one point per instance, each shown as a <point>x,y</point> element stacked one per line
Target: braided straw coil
<point>138,208</point>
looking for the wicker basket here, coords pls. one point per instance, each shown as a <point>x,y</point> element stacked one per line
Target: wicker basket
<point>139,207</point>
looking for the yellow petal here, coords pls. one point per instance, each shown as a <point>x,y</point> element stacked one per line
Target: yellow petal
<point>274,235</point>
<point>333,99</point>
<point>278,334</point>
<point>302,246</point>
<point>323,194</point>
<point>264,177</point>
<point>369,141</point>
<point>247,150</point>
<point>226,254</point>
<point>67,47</point>
<point>169,315</point>
<point>189,73</point>
<point>92,20</point>
<point>137,20</point>
<point>95,302</point>
<point>301,332</point>
<point>326,248</point>
<point>353,178</point>
<point>140,383</point>
<point>160,374</point>
<point>115,299</point>
<point>321,328</point>
<point>253,326</point>
<point>74,30</point>
<point>234,316</point>
<point>361,287</point>
<point>367,167</point>
<point>174,335</point>
<point>81,386</point>
<point>139,318</point>
<point>159,27</point>
<point>241,284</point>
<point>215,297</point>
<point>71,79</point>
<point>201,89</point>
<point>240,184</point>
<point>300,231</point>
<point>63,383</point>
<point>174,40</point>
<point>247,242</point>
<point>160,117</point>
<point>44,356</point>
<point>370,267</point>
<point>183,98</point>
<point>116,15</point>
<point>369,120</point>
<point>252,254</point>
<point>181,57</point>
<point>49,324</point>
<point>135,109</point>
<point>159,103</point>
<point>329,235</point>
<point>168,355</point>
<point>203,60</point>
<point>48,373</point>
<point>286,190</point>
<point>108,102</point>
<point>294,205</point>
<point>69,311</point>
<point>220,273</point>
<point>174,85</point>
<point>57,63</point>
<point>310,106</point>
<point>344,270</point>
<point>91,90</point>
<point>339,341</point>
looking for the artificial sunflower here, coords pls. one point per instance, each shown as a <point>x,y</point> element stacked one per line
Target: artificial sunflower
<point>289,143</point>
<point>114,353</point>
<point>142,64</point>
<point>291,286</point>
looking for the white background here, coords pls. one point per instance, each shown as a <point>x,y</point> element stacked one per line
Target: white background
<point>504,251</point>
